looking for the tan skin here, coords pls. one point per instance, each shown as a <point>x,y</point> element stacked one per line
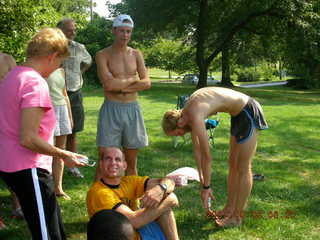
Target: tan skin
<point>157,203</point>
<point>202,104</point>
<point>123,74</point>
<point>58,164</point>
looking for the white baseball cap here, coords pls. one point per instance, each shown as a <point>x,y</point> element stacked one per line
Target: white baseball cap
<point>122,21</point>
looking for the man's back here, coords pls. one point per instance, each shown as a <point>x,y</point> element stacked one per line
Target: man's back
<point>7,62</point>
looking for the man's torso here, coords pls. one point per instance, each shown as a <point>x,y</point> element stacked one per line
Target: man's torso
<point>211,100</point>
<point>121,65</point>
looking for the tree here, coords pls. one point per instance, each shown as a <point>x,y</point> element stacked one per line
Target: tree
<point>96,35</point>
<point>169,55</point>
<point>213,24</point>
<point>303,49</point>
<point>20,19</point>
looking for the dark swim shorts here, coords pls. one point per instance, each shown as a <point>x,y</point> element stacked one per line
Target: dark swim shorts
<point>250,117</point>
<point>77,110</point>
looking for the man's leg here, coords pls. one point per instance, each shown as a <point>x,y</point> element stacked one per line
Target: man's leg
<point>72,147</point>
<point>232,180</point>
<point>131,158</point>
<point>101,151</point>
<point>72,142</point>
<point>243,182</point>
<point>247,152</point>
<point>168,225</point>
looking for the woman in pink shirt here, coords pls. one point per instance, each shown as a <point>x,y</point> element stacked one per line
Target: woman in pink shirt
<point>27,123</point>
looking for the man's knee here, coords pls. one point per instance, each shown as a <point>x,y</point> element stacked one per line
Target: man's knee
<point>244,170</point>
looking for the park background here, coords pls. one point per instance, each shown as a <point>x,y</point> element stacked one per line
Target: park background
<point>235,42</point>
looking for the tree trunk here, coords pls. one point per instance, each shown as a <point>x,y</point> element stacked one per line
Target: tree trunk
<point>280,69</point>
<point>169,74</point>
<point>201,36</point>
<point>226,79</point>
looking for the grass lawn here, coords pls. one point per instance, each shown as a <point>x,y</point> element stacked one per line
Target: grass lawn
<point>284,206</point>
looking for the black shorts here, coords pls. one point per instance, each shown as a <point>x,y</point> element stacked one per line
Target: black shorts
<point>77,110</point>
<point>247,120</point>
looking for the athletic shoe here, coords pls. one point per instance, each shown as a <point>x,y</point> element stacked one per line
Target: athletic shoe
<point>76,172</point>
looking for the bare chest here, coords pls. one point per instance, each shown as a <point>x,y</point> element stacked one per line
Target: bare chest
<point>123,64</point>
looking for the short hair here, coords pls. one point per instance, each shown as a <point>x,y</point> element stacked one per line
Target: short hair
<point>62,22</point>
<point>46,42</point>
<point>107,149</point>
<point>170,120</point>
<point>109,225</point>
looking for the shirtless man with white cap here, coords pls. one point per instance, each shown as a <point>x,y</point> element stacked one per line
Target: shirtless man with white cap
<point>122,72</point>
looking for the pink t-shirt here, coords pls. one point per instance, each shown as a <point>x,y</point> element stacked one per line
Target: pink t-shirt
<point>22,88</point>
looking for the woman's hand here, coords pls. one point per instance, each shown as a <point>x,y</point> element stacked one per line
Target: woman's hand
<point>71,159</point>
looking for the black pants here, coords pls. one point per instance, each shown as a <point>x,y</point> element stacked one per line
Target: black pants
<point>35,191</point>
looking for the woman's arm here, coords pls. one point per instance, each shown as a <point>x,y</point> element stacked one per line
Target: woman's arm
<point>29,137</point>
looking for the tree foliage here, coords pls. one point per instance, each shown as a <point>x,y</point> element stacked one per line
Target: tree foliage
<point>20,19</point>
<point>213,25</point>
<point>96,35</point>
<point>169,55</point>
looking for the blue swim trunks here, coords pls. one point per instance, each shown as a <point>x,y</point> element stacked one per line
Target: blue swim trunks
<point>151,231</point>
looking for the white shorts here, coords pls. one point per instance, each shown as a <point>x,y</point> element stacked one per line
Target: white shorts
<point>63,124</point>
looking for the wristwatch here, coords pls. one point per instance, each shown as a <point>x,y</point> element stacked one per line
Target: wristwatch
<point>163,186</point>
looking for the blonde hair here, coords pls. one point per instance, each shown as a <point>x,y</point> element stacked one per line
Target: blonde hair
<point>170,120</point>
<point>48,41</point>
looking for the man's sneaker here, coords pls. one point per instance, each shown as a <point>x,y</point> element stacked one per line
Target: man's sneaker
<point>76,172</point>
<point>17,213</point>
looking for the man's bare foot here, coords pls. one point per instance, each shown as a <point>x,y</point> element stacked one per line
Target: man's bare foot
<point>63,195</point>
<point>229,222</point>
<point>224,213</point>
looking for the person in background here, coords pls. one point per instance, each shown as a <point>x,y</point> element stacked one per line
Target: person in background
<point>74,66</point>
<point>61,104</point>
<point>123,74</point>
<point>7,62</point>
<point>27,122</point>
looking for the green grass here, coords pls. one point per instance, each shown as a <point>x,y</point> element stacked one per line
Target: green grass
<point>288,155</point>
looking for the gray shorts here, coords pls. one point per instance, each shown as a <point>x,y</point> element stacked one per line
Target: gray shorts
<point>121,125</point>
<point>63,124</point>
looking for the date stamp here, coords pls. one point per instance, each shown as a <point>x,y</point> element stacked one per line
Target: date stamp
<point>270,214</point>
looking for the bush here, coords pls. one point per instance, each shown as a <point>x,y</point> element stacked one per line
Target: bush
<point>248,74</point>
<point>267,73</point>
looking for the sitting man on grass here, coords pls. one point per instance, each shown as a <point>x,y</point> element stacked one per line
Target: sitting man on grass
<point>155,220</point>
